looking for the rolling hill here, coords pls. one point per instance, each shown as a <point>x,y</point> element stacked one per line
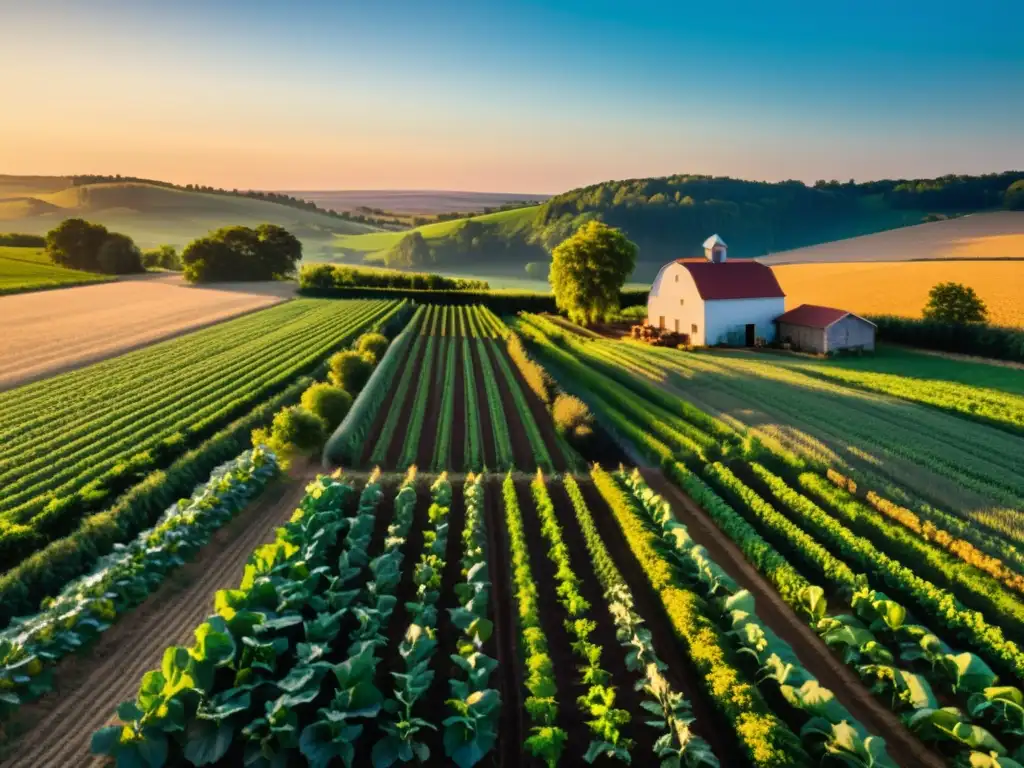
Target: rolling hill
<point>994,235</point>
<point>669,217</point>
<point>412,201</point>
<point>153,214</point>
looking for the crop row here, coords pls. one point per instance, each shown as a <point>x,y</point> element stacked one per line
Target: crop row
<point>443,442</point>
<point>961,673</point>
<point>117,450</point>
<point>499,423</point>
<point>88,606</point>
<point>420,404</point>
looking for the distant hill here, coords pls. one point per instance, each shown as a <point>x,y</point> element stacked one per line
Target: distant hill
<point>153,213</point>
<point>669,217</point>
<point>415,201</point>
<point>993,235</point>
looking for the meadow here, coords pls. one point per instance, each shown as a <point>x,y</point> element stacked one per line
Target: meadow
<point>902,288</point>
<point>29,269</point>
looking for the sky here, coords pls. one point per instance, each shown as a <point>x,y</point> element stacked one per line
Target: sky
<point>508,96</point>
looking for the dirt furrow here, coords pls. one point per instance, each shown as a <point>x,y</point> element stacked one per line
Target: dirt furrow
<point>903,746</point>
<point>483,411</point>
<point>88,689</point>
<point>522,452</point>
<point>681,673</point>
<point>509,675</point>
<point>540,415</point>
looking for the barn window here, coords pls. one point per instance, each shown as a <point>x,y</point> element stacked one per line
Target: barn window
<point>677,278</point>
<point>693,328</point>
<point>682,302</point>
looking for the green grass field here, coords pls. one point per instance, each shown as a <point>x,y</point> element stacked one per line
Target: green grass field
<point>373,246</point>
<point>28,269</point>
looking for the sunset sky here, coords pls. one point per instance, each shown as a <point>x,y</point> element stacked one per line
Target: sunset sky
<point>508,96</point>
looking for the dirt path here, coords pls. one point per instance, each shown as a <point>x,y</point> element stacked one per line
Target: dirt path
<point>509,675</point>
<point>903,747</point>
<point>88,689</point>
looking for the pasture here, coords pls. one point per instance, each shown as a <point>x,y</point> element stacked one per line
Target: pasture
<point>28,269</point>
<point>902,288</point>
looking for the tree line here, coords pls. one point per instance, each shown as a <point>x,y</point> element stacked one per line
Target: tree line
<point>266,252</point>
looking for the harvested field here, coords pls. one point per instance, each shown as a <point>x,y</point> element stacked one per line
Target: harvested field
<point>995,235</point>
<point>875,288</point>
<point>48,333</point>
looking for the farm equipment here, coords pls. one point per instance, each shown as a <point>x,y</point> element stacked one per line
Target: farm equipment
<point>658,337</point>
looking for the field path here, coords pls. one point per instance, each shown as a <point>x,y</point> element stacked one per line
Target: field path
<point>59,727</point>
<point>903,747</point>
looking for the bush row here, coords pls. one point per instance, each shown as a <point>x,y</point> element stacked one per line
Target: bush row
<point>983,340</point>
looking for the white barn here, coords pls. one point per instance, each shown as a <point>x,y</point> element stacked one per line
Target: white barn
<point>716,301</point>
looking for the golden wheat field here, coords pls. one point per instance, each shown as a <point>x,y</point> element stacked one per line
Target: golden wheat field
<point>901,288</point>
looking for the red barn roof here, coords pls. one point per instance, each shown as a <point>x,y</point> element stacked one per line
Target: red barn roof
<point>813,316</point>
<point>733,279</point>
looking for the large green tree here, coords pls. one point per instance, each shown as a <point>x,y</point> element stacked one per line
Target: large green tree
<point>268,252</point>
<point>76,243</point>
<point>955,303</point>
<point>589,269</point>
<point>1014,198</point>
<point>411,251</point>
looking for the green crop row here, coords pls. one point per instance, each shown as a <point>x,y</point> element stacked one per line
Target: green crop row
<point>443,441</point>
<point>473,439</point>
<point>420,404</point>
<point>547,740</point>
<point>346,444</point>
<point>765,740</point>
<point>471,730</point>
<point>541,455</point>
<point>499,425</point>
<point>598,703</point>
<point>88,606</point>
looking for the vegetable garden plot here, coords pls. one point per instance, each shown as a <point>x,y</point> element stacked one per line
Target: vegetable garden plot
<point>380,629</point>
<point>70,445</point>
<point>453,399</point>
<point>913,643</point>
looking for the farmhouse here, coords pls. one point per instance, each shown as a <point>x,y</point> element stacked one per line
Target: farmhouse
<point>716,301</point>
<point>824,330</point>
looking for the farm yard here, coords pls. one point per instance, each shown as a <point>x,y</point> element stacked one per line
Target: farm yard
<point>815,557</point>
<point>97,321</point>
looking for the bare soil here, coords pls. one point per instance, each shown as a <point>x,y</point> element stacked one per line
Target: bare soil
<point>47,333</point>
<point>483,412</point>
<point>903,747</point>
<point>58,728</point>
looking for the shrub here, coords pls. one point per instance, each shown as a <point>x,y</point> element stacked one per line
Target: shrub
<point>119,255</point>
<point>296,427</point>
<point>165,256</point>
<point>330,403</point>
<point>373,344</point>
<point>350,370</point>
<point>955,303</point>
<point>573,419</point>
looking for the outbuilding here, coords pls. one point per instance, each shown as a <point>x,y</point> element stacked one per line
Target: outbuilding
<point>824,330</point>
<point>716,301</point>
